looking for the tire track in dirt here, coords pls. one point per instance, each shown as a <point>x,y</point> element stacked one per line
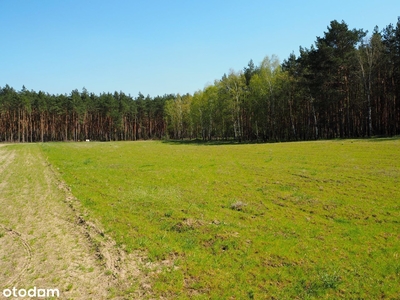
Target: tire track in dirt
<point>16,235</point>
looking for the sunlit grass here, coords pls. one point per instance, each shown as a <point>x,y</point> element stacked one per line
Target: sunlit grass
<point>305,220</point>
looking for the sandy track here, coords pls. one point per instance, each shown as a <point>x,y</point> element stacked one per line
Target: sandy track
<point>44,242</point>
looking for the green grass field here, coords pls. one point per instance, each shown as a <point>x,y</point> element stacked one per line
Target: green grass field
<point>304,220</point>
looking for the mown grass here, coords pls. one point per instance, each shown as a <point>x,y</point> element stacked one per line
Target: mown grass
<point>287,221</point>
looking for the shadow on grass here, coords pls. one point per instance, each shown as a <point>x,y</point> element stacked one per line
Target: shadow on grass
<point>200,142</point>
<point>383,138</point>
<point>209,143</point>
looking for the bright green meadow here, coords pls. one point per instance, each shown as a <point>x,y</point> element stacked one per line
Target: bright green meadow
<point>303,220</point>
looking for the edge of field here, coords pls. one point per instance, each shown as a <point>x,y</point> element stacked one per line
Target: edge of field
<point>124,267</point>
<point>51,241</point>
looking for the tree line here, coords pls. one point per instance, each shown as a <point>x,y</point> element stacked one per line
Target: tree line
<point>29,116</point>
<point>346,85</point>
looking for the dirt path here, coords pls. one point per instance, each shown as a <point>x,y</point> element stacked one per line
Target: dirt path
<point>44,243</point>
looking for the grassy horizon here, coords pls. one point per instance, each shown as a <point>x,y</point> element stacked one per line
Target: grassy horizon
<point>287,220</point>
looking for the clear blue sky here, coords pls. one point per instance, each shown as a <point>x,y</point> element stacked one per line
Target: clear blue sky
<point>160,47</point>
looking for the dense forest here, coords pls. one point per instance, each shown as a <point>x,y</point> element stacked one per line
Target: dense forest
<point>347,85</point>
